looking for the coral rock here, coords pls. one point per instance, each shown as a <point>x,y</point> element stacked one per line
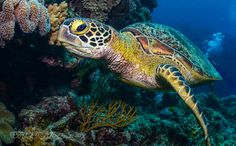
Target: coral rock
<point>97,9</point>
<point>100,9</point>
<point>131,11</point>
<point>32,136</point>
<point>117,13</point>
<point>63,124</point>
<point>44,21</point>
<point>7,119</point>
<point>29,14</point>
<point>55,106</point>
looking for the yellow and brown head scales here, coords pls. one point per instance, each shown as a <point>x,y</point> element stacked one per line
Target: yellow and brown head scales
<point>85,37</point>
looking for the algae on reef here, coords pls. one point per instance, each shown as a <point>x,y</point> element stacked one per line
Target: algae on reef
<point>7,120</point>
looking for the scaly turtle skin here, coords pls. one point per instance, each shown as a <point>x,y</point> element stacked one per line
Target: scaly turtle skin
<point>147,55</point>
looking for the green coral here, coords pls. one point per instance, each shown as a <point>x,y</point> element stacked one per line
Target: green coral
<point>7,119</point>
<point>149,129</point>
<point>174,124</point>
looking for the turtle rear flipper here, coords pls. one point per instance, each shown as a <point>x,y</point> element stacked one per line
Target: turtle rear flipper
<point>172,76</point>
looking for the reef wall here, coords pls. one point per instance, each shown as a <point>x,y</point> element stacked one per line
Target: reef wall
<point>30,52</point>
<point>117,13</point>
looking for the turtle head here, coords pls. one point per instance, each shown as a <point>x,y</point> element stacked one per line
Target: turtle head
<point>85,37</point>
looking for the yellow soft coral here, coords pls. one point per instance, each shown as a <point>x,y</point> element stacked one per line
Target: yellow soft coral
<point>57,13</point>
<point>7,119</point>
<point>29,14</point>
<point>115,115</point>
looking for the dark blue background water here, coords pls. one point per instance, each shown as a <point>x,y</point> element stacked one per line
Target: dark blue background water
<point>198,20</point>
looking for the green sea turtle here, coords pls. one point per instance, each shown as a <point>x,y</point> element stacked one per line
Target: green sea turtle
<point>147,55</point>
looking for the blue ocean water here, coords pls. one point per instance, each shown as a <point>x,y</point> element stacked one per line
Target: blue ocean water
<point>199,21</point>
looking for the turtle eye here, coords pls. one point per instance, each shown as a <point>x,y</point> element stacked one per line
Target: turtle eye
<point>78,27</point>
<point>81,27</point>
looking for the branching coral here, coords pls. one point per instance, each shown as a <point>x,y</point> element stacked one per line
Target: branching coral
<point>100,8</point>
<point>7,119</point>
<point>32,136</point>
<point>117,114</point>
<point>36,136</point>
<point>57,13</point>
<point>48,129</point>
<point>55,107</point>
<point>65,125</point>
<point>29,14</point>
<point>49,123</point>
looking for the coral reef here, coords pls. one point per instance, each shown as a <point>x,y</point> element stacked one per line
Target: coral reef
<point>57,13</point>
<point>117,114</point>
<point>53,107</point>
<point>92,114</point>
<point>117,13</point>
<point>28,14</point>
<point>89,122</point>
<point>48,123</point>
<point>32,136</point>
<point>174,125</point>
<point>62,122</point>
<point>162,118</point>
<point>98,9</point>
<point>229,102</point>
<point>36,66</point>
<point>131,11</point>
<point>7,120</point>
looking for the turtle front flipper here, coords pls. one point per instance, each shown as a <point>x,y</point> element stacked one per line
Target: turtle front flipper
<point>172,76</point>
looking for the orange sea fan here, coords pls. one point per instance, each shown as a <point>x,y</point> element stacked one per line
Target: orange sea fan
<point>115,115</point>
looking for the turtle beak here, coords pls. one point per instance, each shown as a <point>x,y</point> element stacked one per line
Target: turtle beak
<point>65,37</point>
